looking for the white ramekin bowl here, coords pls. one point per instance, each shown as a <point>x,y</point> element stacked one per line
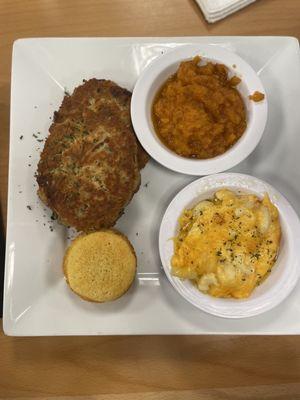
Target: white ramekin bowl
<point>156,74</point>
<point>285,272</point>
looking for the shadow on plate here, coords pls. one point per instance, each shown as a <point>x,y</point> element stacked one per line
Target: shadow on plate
<point>56,250</point>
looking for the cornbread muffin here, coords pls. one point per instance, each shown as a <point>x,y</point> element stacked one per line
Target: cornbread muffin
<point>90,165</point>
<point>100,266</point>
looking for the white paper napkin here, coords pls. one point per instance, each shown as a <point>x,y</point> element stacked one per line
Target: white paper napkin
<point>214,10</point>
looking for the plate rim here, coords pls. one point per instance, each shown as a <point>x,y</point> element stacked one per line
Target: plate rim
<point>8,324</point>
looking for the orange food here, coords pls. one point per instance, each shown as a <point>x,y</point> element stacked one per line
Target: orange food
<point>198,112</point>
<point>257,96</point>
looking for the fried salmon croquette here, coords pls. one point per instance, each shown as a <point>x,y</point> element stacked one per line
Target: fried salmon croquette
<point>90,166</point>
<point>100,266</point>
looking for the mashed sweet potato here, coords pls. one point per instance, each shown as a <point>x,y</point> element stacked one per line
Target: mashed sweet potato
<point>198,112</point>
<point>257,96</point>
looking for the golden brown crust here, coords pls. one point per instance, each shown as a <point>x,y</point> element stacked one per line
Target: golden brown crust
<point>119,98</point>
<point>142,156</point>
<point>89,168</point>
<point>85,298</point>
<point>78,238</point>
<point>112,230</point>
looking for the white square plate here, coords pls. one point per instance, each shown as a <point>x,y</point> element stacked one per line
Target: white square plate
<point>37,299</point>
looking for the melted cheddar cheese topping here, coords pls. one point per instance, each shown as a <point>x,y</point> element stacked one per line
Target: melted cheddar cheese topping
<point>227,245</point>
